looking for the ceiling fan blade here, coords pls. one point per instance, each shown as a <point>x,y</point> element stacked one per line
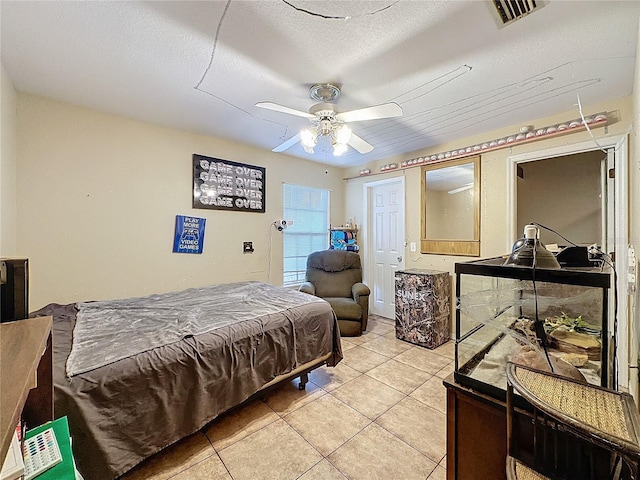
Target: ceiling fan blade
<point>287,144</point>
<point>359,144</point>
<point>386,110</point>
<point>281,108</point>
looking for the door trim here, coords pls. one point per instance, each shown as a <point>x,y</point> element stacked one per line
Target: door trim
<point>619,143</point>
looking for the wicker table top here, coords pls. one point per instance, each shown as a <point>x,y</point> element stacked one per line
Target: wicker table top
<point>604,413</point>
<point>519,471</point>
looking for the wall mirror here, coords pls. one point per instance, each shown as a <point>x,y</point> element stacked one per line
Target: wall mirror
<point>450,199</point>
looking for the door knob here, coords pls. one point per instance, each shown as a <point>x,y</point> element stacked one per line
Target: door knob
<point>400,258</point>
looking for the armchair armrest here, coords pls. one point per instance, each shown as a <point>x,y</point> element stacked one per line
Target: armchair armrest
<point>307,287</point>
<point>361,295</point>
<point>359,290</point>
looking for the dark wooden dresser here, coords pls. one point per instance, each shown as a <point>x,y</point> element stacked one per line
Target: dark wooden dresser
<point>476,434</point>
<point>26,380</point>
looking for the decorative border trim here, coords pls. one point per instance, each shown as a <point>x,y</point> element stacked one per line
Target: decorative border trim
<point>522,137</point>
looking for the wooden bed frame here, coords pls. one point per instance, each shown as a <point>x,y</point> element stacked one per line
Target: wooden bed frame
<point>302,372</point>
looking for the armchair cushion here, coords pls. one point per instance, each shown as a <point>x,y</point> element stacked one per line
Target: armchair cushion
<point>345,308</point>
<point>333,272</point>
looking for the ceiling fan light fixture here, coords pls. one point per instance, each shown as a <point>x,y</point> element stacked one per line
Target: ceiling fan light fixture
<point>328,122</point>
<point>339,148</point>
<point>308,138</point>
<point>324,92</point>
<point>466,186</point>
<point>343,134</point>
<point>309,150</point>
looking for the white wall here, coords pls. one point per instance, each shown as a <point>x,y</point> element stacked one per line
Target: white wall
<point>7,165</point>
<point>97,200</point>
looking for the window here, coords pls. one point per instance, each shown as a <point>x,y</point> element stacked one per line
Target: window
<point>308,208</point>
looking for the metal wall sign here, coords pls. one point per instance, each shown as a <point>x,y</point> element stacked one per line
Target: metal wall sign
<point>226,185</point>
<point>189,234</point>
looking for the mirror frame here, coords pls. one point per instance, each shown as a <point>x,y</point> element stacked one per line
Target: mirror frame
<point>469,248</point>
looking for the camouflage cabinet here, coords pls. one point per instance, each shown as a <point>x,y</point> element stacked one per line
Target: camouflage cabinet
<point>423,307</point>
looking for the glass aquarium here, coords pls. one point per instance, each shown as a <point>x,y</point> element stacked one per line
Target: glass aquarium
<point>507,312</point>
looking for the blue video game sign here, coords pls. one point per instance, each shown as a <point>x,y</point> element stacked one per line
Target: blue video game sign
<point>189,236</point>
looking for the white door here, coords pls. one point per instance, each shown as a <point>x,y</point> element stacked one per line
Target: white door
<point>386,244</point>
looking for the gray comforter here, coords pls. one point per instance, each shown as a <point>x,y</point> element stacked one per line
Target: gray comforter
<point>128,402</point>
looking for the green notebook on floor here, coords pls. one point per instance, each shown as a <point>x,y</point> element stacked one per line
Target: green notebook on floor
<point>65,469</point>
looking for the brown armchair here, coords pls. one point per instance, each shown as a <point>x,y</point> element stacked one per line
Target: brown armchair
<point>336,276</point>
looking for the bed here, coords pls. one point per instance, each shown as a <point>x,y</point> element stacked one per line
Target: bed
<point>134,376</point>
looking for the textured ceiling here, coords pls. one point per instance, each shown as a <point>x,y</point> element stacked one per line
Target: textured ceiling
<point>202,66</point>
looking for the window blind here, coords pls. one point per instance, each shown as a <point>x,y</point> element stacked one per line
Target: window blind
<point>308,208</point>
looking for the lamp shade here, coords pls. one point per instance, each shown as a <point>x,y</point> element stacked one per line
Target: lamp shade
<point>531,249</point>
<point>343,134</point>
<point>308,138</point>
<point>339,149</point>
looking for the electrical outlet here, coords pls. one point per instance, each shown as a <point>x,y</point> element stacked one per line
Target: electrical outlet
<point>247,247</point>
<point>412,246</point>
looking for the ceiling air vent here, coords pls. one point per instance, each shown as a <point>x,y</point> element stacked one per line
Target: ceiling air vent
<point>512,10</point>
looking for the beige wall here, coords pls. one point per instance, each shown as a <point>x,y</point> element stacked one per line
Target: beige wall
<point>7,166</point>
<point>495,236</point>
<point>97,200</point>
<point>563,193</point>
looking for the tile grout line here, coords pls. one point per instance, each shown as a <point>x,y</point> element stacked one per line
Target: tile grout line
<point>432,374</point>
<point>391,386</point>
<point>215,453</point>
<point>325,457</point>
<point>374,421</point>
<point>410,446</point>
<point>311,467</point>
<point>350,380</point>
<point>240,439</point>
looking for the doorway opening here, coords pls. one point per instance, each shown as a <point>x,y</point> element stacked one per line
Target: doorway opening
<point>566,194</point>
<point>613,191</point>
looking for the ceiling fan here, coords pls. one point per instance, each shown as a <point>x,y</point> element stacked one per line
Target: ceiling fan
<point>327,121</point>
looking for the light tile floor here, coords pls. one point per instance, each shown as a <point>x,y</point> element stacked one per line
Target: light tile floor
<point>380,414</point>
